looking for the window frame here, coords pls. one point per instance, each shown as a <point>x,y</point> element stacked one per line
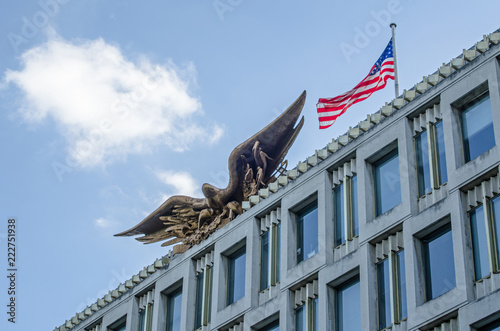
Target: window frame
<point>170,297</point>
<point>394,278</point>
<point>349,283</point>
<point>349,224</point>
<point>205,297</point>
<point>230,275</point>
<point>492,236</point>
<point>273,259</point>
<point>299,233</point>
<point>146,304</point>
<point>426,258</point>
<point>308,304</point>
<point>394,152</point>
<point>463,105</point>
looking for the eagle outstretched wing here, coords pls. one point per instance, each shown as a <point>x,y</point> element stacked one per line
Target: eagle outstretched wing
<point>183,218</point>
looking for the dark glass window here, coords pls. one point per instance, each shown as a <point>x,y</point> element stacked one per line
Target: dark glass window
<point>300,318</point>
<point>315,314</point>
<point>354,206</point>
<point>348,311</point>
<point>278,252</point>
<point>439,263</point>
<point>384,294</point>
<point>402,311</point>
<point>264,261</point>
<point>495,326</point>
<point>307,233</point>
<point>270,256</point>
<point>174,302</point>
<point>479,243</point>
<point>345,199</point>
<point>338,197</point>
<point>495,231</point>
<point>387,183</point>
<point>477,127</point>
<point>236,276</point>
<point>441,156</point>
<point>423,167</point>
<point>198,310</point>
<point>121,327</point>
<point>142,319</point>
<point>275,326</point>
<point>145,317</point>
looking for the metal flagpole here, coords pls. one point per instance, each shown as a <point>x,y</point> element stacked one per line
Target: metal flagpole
<point>396,80</point>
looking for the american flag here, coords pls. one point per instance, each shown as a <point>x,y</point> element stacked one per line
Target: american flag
<point>331,108</point>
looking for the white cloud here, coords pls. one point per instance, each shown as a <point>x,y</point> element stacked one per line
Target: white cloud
<point>181,182</point>
<point>106,105</point>
<point>102,223</point>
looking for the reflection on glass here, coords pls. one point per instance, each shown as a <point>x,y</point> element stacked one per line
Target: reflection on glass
<point>264,261</point>
<point>479,245</point>
<point>315,315</point>
<point>198,308</point>
<point>387,183</point>
<point>477,127</point>
<point>275,326</point>
<point>236,277</point>
<point>348,312</point>
<point>439,264</point>
<point>174,301</point>
<point>423,167</point>
<point>338,197</point>
<point>441,156</point>
<point>300,320</point>
<point>142,319</point>
<point>401,284</point>
<point>354,206</point>
<point>209,298</point>
<point>495,204</point>
<point>384,294</point>
<point>307,233</point>
<point>278,250</point>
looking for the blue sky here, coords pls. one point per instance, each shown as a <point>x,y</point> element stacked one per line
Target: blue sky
<point>109,107</point>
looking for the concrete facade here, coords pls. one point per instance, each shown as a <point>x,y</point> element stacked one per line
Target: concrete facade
<point>468,306</point>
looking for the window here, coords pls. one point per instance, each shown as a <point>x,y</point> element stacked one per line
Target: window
<point>430,158</point>
<point>270,240</point>
<point>120,325</point>
<point>307,232</point>
<point>391,290</point>
<point>306,311</point>
<point>146,310</point>
<point>345,214</point>
<point>275,326</point>
<point>174,301</point>
<point>387,183</point>
<point>495,326</point>
<point>479,245</point>
<point>203,302</point>
<point>270,256</point>
<point>477,127</point>
<point>348,310</point>
<point>303,316</point>
<point>439,267</point>
<point>484,226</point>
<point>236,276</point>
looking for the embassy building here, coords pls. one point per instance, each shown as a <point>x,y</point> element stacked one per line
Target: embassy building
<point>394,225</point>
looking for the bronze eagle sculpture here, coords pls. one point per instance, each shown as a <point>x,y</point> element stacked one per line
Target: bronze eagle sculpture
<point>252,165</point>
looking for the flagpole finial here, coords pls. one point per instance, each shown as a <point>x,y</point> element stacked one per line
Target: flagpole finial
<point>392,24</point>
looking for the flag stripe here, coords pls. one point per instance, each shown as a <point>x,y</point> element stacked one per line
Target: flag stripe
<point>358,93</point>
<point>329,109</point>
